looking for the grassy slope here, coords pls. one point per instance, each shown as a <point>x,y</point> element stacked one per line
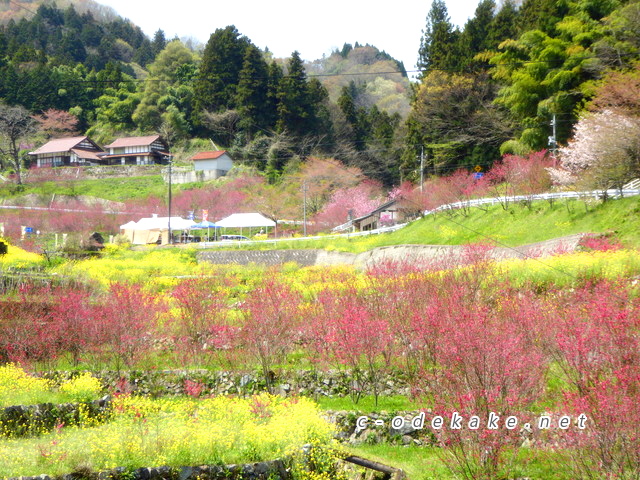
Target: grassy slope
<point>115,189</point>
<point>518,225</point>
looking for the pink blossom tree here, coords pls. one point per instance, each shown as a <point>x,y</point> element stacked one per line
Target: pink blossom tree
<point>199,326</point>
<point>520,175</point>
<point>603,152</point>
<point>349,202</point>
<point>271,325</point>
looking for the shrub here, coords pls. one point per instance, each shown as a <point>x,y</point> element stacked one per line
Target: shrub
<point>83,388</point>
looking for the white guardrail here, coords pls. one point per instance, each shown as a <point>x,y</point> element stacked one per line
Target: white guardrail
<point>596,194</point>
<point>300,239</point>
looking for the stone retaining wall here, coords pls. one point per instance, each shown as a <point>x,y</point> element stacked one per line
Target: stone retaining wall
<point>271,470</point>
<point>379,428</point>
<point>304,382</point>
<point>23,420</point>
<point>304,258</point>
<point>113,171</point>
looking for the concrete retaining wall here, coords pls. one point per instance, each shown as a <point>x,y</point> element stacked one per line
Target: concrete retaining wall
<point>303,258</point>
<point>451,254</point>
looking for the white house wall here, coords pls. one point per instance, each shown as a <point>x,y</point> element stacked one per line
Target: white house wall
<point>222,163</point>
<point>225,163</point>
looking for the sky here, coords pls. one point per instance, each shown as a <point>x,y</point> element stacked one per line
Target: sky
<point>314,29</point>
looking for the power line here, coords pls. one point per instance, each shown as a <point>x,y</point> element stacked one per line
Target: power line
<point>480,234</point>
<point>22,7</point>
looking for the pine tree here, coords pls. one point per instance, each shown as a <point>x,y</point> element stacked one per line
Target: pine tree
<point>438,39</point>
<point>294,109</point>
<point>252,93</point>
<point>222,61</point>
<point>504,25</point>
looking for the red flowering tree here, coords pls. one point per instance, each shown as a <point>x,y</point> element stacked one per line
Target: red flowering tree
<point>199,326</point>
<point>598,349</point>
<point>126,318</point>
<point>271,325</point>
<point>518,175</point>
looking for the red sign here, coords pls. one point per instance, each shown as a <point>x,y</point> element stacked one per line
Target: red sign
<point>205,215</point>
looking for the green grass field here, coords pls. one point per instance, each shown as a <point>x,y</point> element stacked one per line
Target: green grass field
<point>116,189</point>
<point>516,226</point>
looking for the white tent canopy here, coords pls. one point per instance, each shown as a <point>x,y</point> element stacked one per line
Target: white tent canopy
<point>162,223</point>
<point>153,229</point>
<point>128,225</point>
<point>244,220</point>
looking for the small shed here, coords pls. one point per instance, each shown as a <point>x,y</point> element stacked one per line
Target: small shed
<point>386,214</point>
<point>217,161</point>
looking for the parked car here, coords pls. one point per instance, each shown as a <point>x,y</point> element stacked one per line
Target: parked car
<point>232,238</point>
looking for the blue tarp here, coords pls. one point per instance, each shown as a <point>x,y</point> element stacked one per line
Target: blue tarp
<point>205,224</point>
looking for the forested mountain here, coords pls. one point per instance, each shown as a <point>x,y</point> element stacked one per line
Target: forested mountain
<point>268,112</point>
<point>372,71</point>
<point>18,9</point>
<point>512,76</point>
<point>490,88</point>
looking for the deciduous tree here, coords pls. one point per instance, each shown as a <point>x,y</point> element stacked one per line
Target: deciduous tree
<point>16,124</point>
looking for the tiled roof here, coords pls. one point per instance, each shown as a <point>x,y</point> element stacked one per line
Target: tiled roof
<point>155,153</point>
<point>86,154</point>
<point>208,155</point>
<point>133,141</point>
<point>59,145</point>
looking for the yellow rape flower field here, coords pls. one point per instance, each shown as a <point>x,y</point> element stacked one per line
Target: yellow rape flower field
<point>174,432</point>
<point>19,388</point>
<point>17,258</point>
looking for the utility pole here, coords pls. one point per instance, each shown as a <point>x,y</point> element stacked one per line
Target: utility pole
<point>170,236</point>
<point>552,139</point>
<point>422,169</point>
<point>304,207</point>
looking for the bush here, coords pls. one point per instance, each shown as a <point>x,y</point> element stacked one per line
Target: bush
<point>83,388</point>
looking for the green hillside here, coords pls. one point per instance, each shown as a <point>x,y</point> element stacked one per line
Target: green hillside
<point>518,225</point>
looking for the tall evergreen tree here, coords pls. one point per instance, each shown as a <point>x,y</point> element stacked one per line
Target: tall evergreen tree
<point>320,124</point>
<point>294,108</point>
<point>474,38</point>
<point>542,14</point>
<point>222,61</point>
<point>504,25</point>
<point>438,39</point>
<point>159,42</point>
<point>275,77</point>
<point>356,117</point>
<point>252,93</point>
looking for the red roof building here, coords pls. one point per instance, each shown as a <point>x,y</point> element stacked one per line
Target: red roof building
<point>68,151</point>
<point>217,161</point>
<point>147,150</point>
